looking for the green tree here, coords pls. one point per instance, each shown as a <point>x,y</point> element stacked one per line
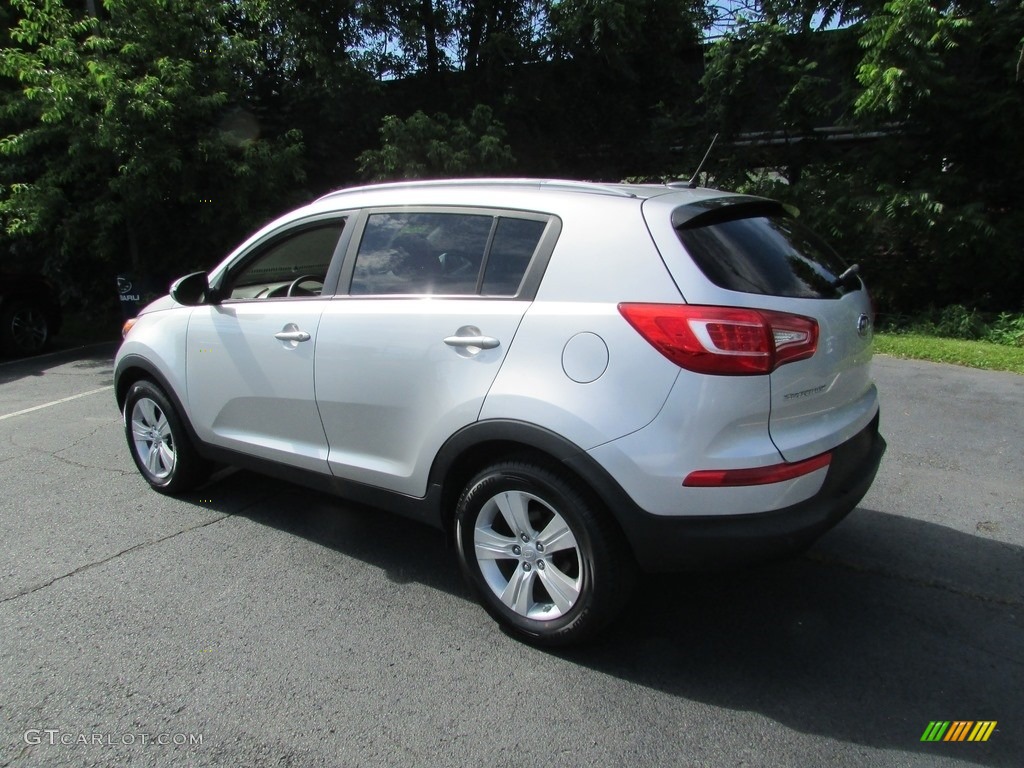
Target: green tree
<point>904,64</point>
<point>930,201</point>
<point>423,147</point>
<point>131,145</point>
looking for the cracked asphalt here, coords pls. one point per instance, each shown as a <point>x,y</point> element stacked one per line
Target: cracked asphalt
<point>254,623</point>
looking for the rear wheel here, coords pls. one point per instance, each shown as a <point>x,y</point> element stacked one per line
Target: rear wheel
<point>158,441</point>
<point>544,559</point>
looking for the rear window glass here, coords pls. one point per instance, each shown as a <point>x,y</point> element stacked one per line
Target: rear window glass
<point>515,241</point>
<point>768,255</point>
<point>403,253</point>
<point>452,254</point>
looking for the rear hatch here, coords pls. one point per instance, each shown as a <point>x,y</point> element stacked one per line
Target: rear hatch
<point>747,252</point>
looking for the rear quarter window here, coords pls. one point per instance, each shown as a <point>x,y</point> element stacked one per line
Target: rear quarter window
<point>515,242</point>
<point>770,255</point>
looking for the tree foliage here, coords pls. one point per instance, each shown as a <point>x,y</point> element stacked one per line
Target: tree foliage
<point>926,192</point>
<point>130,124</point>
<point>152,134</point>
<point>904,47</point>
<point>422,147</point>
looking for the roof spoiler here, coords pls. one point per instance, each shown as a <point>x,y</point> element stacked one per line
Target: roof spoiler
<point>727,208</point>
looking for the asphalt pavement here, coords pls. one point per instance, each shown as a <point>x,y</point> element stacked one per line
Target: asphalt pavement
<point>255,623</point>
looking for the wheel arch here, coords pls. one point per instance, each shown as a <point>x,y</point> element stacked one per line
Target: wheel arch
<point>133,368</point>
<point>483,443</point>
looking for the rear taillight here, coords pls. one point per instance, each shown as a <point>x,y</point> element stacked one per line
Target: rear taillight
<point>729,341</point>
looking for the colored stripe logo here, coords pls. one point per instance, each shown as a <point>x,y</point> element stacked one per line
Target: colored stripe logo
<point>959,730</point>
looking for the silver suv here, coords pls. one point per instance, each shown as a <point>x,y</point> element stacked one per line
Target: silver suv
<point>573,379</point>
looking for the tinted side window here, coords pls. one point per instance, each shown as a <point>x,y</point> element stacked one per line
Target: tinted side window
<point>407,253</point>
<point>305,253</point>
<point>768,255</point>
<point>515,241</point>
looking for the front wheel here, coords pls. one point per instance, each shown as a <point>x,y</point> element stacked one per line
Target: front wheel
<point>545,560</point>
<point>158,441</point>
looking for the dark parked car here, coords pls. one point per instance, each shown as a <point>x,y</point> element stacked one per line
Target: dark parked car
<point>30,314</point>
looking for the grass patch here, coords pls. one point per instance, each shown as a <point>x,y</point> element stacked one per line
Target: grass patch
<point>975,354</point>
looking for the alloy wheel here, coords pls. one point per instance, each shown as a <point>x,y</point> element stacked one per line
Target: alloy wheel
<point>528,555</point>
<point>153,440</point>
<point>29,329</point>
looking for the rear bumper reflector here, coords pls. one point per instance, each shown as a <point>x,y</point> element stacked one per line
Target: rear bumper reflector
<point>776,473</point>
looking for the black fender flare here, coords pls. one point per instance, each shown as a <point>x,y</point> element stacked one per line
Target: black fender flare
<point>514,433</point>
<point>150,371</point>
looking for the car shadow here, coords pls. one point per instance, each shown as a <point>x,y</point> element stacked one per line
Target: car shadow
<point>865,650</point>
<point>93,358</point>
<point>407,551</point>
<point>886,625</point>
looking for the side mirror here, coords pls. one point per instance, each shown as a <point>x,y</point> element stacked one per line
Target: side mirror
<point>190,290</point>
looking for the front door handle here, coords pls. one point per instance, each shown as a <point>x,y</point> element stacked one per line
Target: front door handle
<point>293,336</point>
<point>483,342</point>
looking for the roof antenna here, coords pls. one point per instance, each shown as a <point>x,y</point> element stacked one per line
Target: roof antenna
<point>692,183</point>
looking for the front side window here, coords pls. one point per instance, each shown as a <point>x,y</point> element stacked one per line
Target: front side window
<point>292,266</point>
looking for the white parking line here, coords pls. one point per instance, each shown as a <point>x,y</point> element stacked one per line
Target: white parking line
<point>56,402</point>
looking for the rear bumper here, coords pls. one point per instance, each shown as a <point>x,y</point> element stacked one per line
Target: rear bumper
<point>694,543</point>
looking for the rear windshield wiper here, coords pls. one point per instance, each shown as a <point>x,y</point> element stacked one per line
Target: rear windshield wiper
<point>853,270</point>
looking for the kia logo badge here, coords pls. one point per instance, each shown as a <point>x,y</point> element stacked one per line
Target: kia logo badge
<point>863,325</point>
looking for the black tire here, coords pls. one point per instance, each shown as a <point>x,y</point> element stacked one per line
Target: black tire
<point>24,329</point>
<point>547,590</point>
<point>158,441</point>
